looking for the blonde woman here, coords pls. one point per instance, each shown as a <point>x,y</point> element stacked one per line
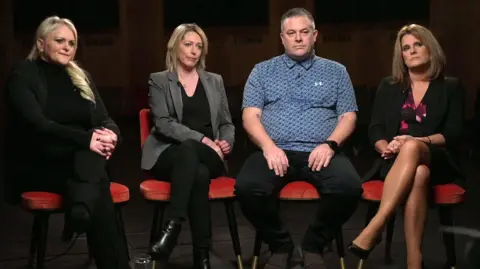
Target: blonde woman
<point>416,123</point>
<point>60,137</point>
<point>192,134</point>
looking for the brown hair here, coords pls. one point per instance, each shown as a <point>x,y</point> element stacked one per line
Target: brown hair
<point>437,57</point>
<point>177,36</point>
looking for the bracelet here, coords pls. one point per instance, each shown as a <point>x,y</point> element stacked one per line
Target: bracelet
<point>429,140</point>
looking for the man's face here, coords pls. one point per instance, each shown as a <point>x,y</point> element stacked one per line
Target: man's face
<point>298,37</point>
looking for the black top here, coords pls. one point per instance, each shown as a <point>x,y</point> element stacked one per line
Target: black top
<point>64,106</point>
<point>196,111</point>
<point>48,121</point>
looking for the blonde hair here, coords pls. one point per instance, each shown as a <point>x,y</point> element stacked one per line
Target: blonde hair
<point>437,57</point>
<point>78,76</point>
<point>177,36</point>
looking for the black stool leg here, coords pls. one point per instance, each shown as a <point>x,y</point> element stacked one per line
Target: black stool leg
<point>340,249</point>
<point>232,225</point>
<point>446,219</point>
<point>33,241</point>
<point>256,250</point>
<point>389,239</point>
<point>42,239</point>
<point>157,221</point>
<point>122,228</point>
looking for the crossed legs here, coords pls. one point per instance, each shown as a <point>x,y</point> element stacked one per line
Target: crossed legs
<point>408,179</point>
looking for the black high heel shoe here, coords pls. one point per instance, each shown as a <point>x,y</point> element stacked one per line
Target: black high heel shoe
<point>362,253</point>
<point>359,252</point>
<point>162,249</point>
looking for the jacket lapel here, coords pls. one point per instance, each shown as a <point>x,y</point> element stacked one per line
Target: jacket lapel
<point>176,94</point>
<point>211,96</point>
<point>398,96</point>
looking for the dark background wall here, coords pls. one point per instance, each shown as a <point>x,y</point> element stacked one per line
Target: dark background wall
<point>122,41</point>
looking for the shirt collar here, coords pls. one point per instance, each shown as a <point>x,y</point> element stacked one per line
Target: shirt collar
<point>307,63</point>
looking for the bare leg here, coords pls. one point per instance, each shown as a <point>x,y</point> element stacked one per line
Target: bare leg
<point>416,216</point>
<point>398,184</point>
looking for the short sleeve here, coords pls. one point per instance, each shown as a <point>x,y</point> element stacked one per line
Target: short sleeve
<point>254,94</point>
<point>346,95</point>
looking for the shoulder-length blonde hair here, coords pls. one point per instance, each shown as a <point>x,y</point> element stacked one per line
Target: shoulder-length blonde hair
<point>77,74</point>
<point>437,57</point>
<point>174,42</point>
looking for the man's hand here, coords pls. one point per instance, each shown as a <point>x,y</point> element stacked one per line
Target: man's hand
<point>276,159</point>
<point>224,146</point>
<point>320,157</point>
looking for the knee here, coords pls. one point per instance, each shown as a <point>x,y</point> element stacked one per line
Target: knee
<point>412,147</point>
<point>422,177</point>
<point>186,149</point>
<point>352,187</point>
<point>245,189</point>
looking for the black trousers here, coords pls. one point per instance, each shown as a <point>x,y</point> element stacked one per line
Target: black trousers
<point>89,189</point>
<point>257,189</point>
<point>189,167</point>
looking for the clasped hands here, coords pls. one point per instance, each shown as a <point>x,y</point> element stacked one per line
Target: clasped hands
<point>221,147</point>
<point>278,162</point>
<point>395,145</point>
<point>103,142</point>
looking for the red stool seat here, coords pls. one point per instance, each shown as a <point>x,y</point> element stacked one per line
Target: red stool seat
<point>299,190</point>
<point>120,193</point>
<point>39,200</point>
<point>443,194</point>
<point>156,190</point>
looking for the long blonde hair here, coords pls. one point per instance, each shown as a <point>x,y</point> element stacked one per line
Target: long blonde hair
<point>173,43</point>
<point>77,74</point>
<point>437,57</point>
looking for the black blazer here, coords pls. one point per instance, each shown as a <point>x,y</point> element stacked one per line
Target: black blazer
<point>28,128</point>
<point>445,114</point>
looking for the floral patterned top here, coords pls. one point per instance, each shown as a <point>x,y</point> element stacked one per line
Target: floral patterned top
<point>411,114</point>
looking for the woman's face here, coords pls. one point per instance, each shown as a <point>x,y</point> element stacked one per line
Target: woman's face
<point>190,50</point>
<point>414,52</point>
<point>59,46</point>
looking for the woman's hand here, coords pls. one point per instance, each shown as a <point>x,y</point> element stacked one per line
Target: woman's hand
<point>103,144</point>
<point>224,146</point>
<point>207,141</point>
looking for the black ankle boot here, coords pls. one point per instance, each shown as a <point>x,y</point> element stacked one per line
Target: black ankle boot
<point>162,249</point>
<point>201,259</point>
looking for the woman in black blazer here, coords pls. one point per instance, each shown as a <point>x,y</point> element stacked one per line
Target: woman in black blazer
<point>191,136</point>
<point>59,137</point>
<point>416,122</point>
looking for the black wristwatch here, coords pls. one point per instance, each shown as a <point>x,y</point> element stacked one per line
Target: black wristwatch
<point>333,145</point>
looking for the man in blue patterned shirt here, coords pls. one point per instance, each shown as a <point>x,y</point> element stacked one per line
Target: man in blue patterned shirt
<point>298,109</point>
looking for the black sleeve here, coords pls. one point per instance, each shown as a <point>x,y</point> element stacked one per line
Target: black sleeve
<point>100,113</point>
<point>455,115</point>
<point>24,103</point>
<point>376,129</point>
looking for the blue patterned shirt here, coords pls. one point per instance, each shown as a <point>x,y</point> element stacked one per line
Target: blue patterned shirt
<point>300,101</point>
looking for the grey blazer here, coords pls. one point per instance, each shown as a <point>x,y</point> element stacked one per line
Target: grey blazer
<point>165,101</point>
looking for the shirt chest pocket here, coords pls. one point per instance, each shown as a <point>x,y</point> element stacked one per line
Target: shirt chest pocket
<point>318,95</point>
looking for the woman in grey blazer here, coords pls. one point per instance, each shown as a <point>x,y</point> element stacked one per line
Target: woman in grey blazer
<point>191,135</point>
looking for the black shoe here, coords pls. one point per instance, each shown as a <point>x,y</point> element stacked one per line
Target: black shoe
<point>358,251</point>
<point>201,259</point>
<point>162,249</point>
